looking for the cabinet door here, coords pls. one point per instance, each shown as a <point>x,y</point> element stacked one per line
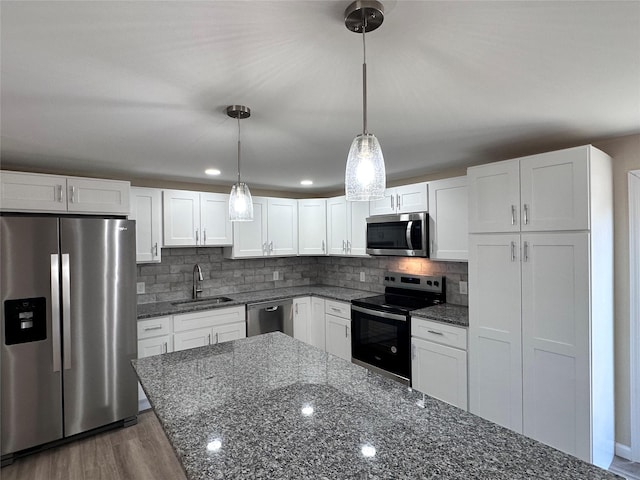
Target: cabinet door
<point>317,336</point>
<point>24,192</point>
<point>448,219</point>
<point>312,226</point>
<point>181,215</point>
<point>385,205</point>
<point>412,198</point>
<point>92,195</point>
<point>357,228</point>
<point>439,371</point>
<point>214,219</point>
<point>192,339</point>
<point>231,331</point>
<point>338,339</point>
<point>146,210</point>
<point>495,352</point>
<point>555,341</point>
<point>554,190</point>
<point>337,226</point>
<point>148,347</point>
<point>282,226</point>
<point>302,319</point>
<point>494,197</point>
<point>250,238</point>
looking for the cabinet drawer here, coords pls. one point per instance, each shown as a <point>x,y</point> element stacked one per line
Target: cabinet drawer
<point>439,333</point>
<point>208,318</point>
<point>339,309</point>
<point>154,327</point>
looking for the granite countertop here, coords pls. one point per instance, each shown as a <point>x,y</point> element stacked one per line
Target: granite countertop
<point>446,313</point>
<point>148,310</point>
<point>271,407</point>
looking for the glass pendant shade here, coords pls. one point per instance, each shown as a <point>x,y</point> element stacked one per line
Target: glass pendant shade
<point>365,176</point>
<point>240,203</point>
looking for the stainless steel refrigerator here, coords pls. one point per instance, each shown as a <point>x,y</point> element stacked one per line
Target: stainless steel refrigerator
<point>68,327</point>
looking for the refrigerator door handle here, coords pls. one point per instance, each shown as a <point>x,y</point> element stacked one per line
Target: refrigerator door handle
<point>55,311</point>
<point>66,311</point>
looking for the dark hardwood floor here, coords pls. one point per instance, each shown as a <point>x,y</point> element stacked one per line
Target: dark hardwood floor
<point>140,452</point>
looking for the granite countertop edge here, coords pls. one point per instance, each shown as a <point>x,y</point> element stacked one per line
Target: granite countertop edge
<point>457,315</point>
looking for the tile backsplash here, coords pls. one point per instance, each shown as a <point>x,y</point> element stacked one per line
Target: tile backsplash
<point>173,278</point>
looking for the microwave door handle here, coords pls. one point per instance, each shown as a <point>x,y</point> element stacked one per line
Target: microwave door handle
<point>408,234</point>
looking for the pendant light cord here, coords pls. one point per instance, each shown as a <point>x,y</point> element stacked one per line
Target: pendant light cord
<point>364,74</point>
<point>238,149</point>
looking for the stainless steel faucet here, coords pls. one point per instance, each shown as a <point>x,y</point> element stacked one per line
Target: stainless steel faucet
<point>197,277</point>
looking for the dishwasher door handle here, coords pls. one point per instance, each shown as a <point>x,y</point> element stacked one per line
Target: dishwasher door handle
<point>271,309</point>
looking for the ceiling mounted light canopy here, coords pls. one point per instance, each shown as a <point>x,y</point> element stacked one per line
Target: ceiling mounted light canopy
<point>365,176</point>
<point>240,201</point>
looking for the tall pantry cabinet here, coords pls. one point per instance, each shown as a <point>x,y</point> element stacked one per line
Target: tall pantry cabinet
<point>541,299</point>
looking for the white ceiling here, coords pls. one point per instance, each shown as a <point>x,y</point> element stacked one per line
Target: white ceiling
<point>139,89</point>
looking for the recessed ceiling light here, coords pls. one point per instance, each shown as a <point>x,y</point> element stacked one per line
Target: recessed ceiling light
<point>306,182</point>
<point>212,171</point>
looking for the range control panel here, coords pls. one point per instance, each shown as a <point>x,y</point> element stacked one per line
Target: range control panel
<point>424,283</point>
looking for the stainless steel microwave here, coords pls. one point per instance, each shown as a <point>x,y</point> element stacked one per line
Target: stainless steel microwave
<point>403,234</point>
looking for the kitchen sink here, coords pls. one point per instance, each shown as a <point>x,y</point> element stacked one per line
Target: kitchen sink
<point>203,301</point>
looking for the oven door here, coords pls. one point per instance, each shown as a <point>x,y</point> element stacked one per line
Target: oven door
<point>381,341</point>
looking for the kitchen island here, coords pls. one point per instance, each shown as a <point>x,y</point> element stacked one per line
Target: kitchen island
<point>271,407</point>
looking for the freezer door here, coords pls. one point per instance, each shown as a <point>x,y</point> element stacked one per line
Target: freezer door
<point>99,322</point>
<point>31,382</point>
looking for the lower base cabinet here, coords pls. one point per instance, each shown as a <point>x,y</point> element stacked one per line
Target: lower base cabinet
<point>154,338</point>
<point>439,361</point>
<point>338,328</point>
<point>309,321</point>
<point>208,327</point>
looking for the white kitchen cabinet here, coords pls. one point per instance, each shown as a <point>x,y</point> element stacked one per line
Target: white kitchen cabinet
<point>273,231</point>
<point>317,333</point>
<point>146,210</point>
<point>196,219</point>
<point>545,192</point>
<point>347,227</point>
<point>338,328</point>
<point>155,337</point>
<point>403,199</point>
<point>448,219</point>
<point>541,311</point>
<point>439,361</point>
<point>312,226</point>
<point>31,192</point>
<point>208,327</point>
<point>302,319</point>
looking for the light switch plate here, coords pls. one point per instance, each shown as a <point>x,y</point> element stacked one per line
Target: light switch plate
<point>140,287</point>
<point>362,276</point>
<point>276,275</point>
<point>463,288</point>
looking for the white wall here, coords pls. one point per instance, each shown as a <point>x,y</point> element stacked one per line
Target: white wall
<point>625,152</point>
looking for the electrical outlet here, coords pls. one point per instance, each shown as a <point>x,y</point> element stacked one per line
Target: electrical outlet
<point>276,275</point>
<point>140,287</point>
<point>362,276</point>
<point>463,288</point>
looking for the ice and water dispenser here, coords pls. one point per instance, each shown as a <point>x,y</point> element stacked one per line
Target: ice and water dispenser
<point>25,320</point>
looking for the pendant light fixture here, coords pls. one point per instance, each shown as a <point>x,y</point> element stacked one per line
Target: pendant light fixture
<point>365,176</point>
<point>240,201</point>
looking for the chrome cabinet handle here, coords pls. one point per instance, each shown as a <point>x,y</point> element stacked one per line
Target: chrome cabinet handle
<point>197,236</point>
<point>216,337</point>
<point>166,347</point>
<point>264,247</point>
<point>525,254</point>
<point>513,251</point>
<point>296,309</point>
<point>432,249</point>
<point>344,246</point>
<point>72,191</point>
<point>346,331</point>
<point>55,310</point>
<point>323,251</point>
<point>348,246</point>
<point>334,309</point>
<point>155,249</point>
<point>271,246</point>
<point>513,214</point>
<point>391,202</point>
<point>155,327</point>
<point>413,351</point>
<point>525,217</point>
<point>435,332</point>
<point>59,193</point>
<point>66,311</point>
<point>398,201</point>
<point>204,235</point>
<point>209,338</point>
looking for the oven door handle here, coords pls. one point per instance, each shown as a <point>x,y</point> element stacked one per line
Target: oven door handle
<point>376,313</point>
<point>408,234</point>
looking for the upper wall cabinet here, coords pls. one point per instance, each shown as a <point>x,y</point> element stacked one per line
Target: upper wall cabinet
<point>196,219</point>
<point>312,226</point>
<point>146,210</point>
<point>29,192</point>
<point>543,192</point>
<point>448,219</point>
<point>273,231</point>
<point>404,199</point>
<point>346,227</point>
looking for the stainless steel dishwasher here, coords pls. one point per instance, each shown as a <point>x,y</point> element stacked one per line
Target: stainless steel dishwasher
<point>273,316</point>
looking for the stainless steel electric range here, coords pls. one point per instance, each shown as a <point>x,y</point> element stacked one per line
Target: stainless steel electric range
<point>381,324</point>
